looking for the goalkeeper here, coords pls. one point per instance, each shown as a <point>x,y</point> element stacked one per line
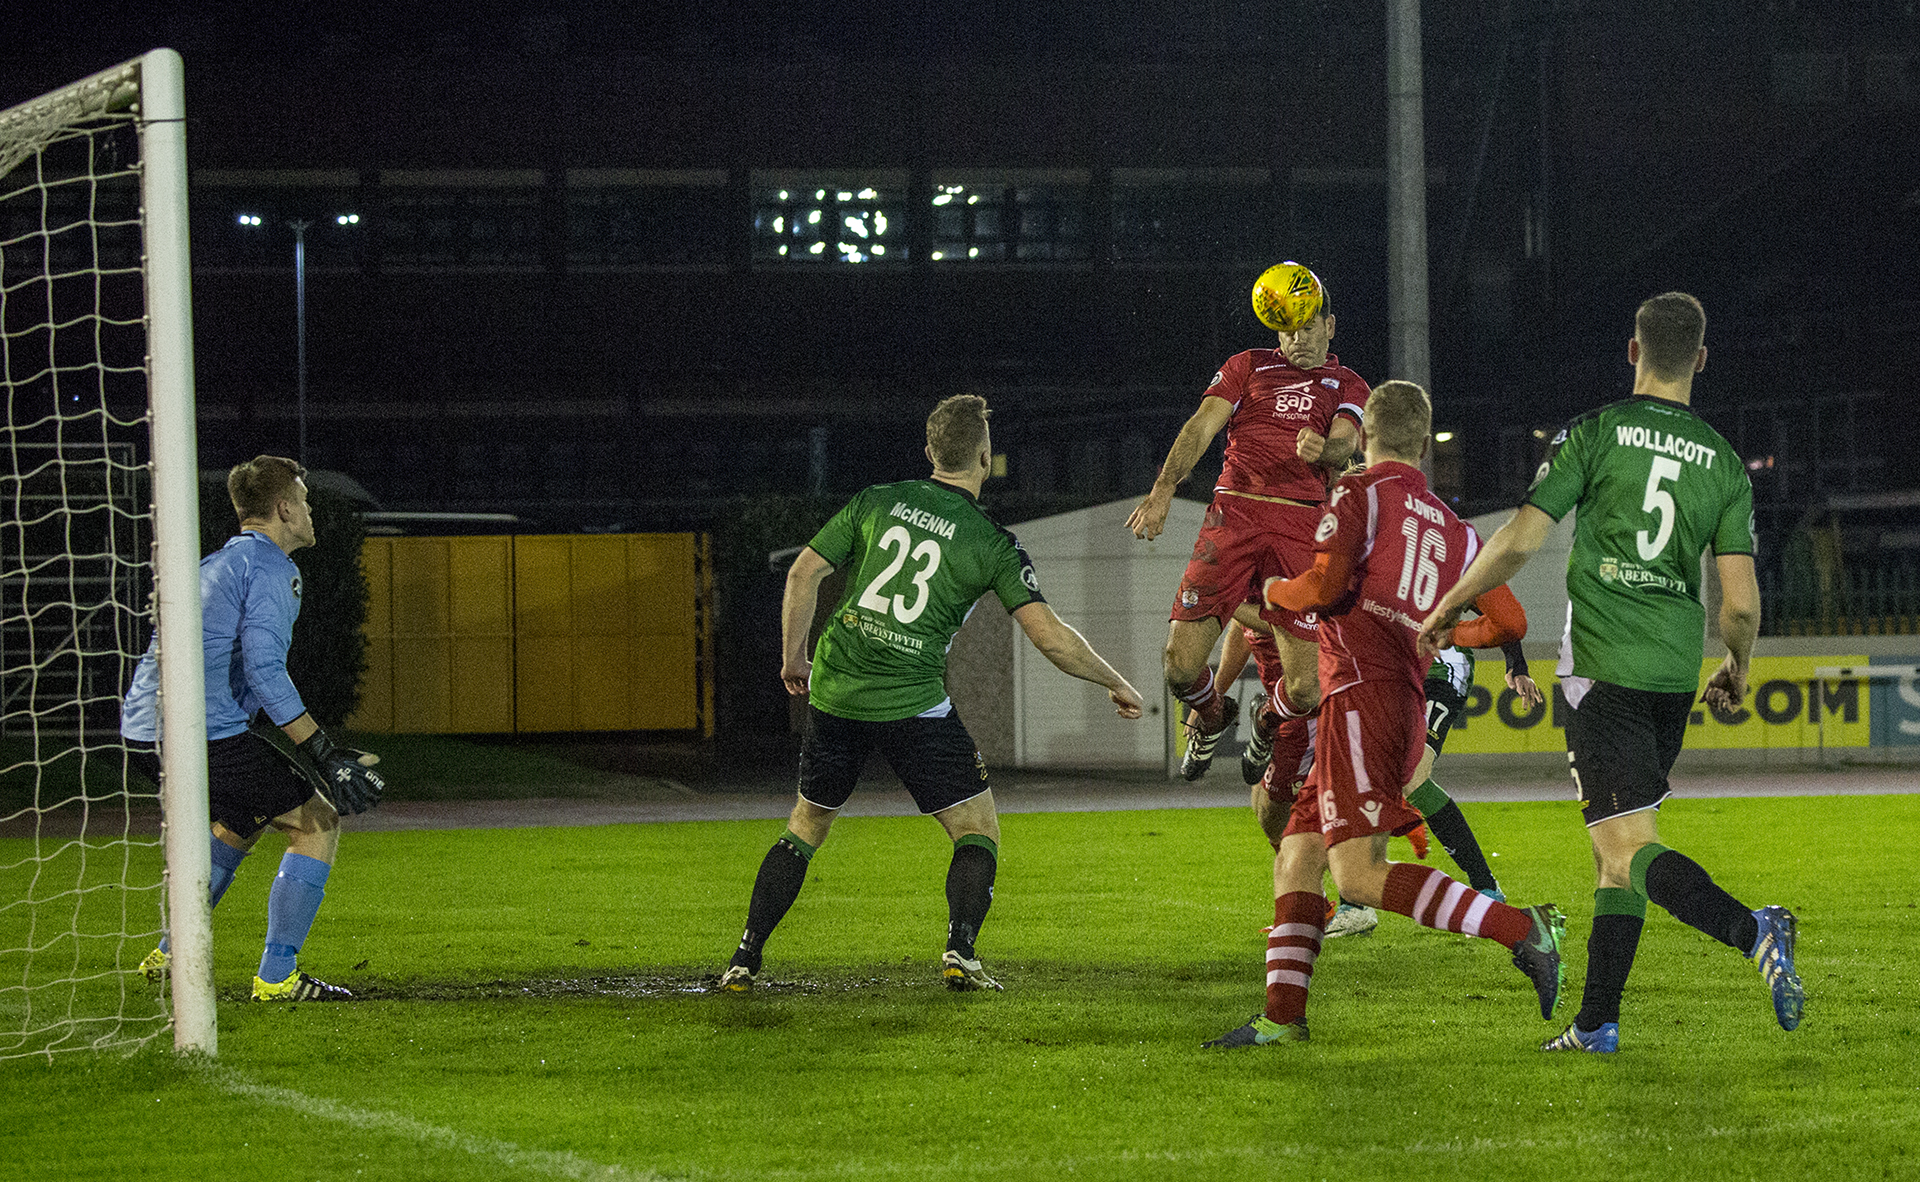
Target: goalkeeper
<point>250,596</point>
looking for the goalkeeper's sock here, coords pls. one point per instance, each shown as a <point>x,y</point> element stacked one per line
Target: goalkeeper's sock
<point>1618,917</point>
<point>1449,824</point>
<point>291,906</point>
<point>1435,900</point>
<point>226,863</point>
<point>1293,944</point>
<point>775,888</point>
<point>1690,895</point>
<point>976,858</point>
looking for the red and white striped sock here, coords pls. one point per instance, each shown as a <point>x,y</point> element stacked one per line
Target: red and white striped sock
<point>1204,704</point>
<point>1432,899</point>
<point>1299,920</point>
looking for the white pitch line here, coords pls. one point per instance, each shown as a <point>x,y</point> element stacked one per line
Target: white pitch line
<point>535,1161</point>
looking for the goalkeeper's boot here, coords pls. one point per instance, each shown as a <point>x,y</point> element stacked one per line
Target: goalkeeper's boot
<point>154,967</point>
<point>1773,955</point>
<point>963,974</point>
<point>1351,920</point>
<point>1604,1041</point>
<point>1201,742</point>
<point>737,979</point>
<point>1495,893</point>
<point>1538,956</point>
<point>1262,721</point>
<point>298,987</point>
<point>1258,1032</point>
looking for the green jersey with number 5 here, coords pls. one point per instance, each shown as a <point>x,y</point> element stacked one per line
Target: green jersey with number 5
<point>917,556</point>
<point>1654,487</point>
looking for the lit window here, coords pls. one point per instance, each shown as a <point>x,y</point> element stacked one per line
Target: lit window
<point>846,223</point>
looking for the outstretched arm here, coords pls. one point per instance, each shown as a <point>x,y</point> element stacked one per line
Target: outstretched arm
<point>1502,620</point>
<point>1150,515</point>
<point>797,605</point>
<point>1070,653</point>
<point>1499,560</point>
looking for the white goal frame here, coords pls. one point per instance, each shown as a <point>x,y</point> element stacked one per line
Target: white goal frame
<point>154,85</point>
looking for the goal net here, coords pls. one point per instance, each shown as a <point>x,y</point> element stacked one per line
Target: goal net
<point>98,547</point>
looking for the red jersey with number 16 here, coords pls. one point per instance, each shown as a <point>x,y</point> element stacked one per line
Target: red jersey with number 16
<point>1272,400</point>
<point>1405,550</point>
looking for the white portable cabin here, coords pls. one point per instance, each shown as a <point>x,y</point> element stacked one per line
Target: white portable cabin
<point>1116,590</point>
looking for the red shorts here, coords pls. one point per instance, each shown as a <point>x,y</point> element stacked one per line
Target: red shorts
<point>1243,542</point>
<point>1370,739</point>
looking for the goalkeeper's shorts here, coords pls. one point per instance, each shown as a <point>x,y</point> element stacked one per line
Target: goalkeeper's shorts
<point>249,782</point>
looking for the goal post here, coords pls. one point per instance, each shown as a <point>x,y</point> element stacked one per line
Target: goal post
<point>176,543</point>
<point>98,551</point>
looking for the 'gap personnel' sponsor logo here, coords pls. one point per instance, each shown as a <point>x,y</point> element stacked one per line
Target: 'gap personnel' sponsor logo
<point>923,519</point>
<point>1667,443</point>
<point>1293,401</point>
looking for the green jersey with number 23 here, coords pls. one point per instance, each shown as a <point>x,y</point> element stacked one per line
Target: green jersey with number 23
<point>917,556</point>
<point>1654,486</point>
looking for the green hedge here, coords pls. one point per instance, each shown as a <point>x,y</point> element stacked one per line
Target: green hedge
<point>749,698</point>
<point>329,642</point>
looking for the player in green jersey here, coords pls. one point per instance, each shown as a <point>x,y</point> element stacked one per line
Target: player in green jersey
<point>1654,487</point>
<point>918,556</point>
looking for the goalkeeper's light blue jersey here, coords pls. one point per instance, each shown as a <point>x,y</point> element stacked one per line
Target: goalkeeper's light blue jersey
<point>249,598</point>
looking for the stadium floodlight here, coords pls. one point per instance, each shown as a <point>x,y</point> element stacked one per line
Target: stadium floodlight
<point>93,558</point>
<point>300,226</point>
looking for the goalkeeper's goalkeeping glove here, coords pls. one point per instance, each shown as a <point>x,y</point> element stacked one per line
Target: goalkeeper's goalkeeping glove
<point>349,784</point>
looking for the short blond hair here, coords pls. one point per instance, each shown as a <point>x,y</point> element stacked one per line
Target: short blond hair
<point>956,431</point>
<point>259,485</point>
<point>1398,417</point>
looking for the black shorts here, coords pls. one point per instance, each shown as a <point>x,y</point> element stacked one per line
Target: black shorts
<point>934,757</point>
<point>249,782</point>
<point>1621,743</point>
<point>1444,704</point>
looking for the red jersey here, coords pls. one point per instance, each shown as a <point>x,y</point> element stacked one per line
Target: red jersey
<point>1405,550</point>
<point>1272,401</point>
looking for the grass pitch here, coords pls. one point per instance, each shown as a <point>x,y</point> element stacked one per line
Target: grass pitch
<point>537,1005</point>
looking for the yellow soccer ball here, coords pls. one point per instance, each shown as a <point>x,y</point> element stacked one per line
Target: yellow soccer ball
<point>1286,296</point>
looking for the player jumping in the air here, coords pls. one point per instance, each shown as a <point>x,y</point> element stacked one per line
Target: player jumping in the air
<point>1448,680</point>
<point>918,554</point>
<point>1291,416</point>
<point>1655,487</point>
<point>1385,549</point>
<point>250,595</point>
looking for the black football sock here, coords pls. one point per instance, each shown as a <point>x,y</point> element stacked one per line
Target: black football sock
<point>1618,917</point>
<point>774,890</point>
<point>1449,824</point>
<point>1689,894</point>
<point>969,890</point>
